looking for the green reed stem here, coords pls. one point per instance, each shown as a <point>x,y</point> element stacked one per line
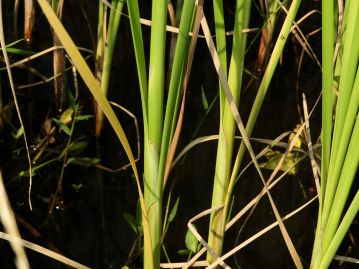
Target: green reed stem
<point>152,146</point>
<point>328,40</point>
<point>227,124</point>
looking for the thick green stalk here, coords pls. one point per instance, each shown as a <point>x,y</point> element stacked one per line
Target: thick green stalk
<point>221,164</point>
<point>152,183</point>
<point>227,124</point>
<point>218,188</point>
<point>153,186</point>
<point>328,42</point>
<point>328,33</point>
<point>142,77</point>
<point>215,235</point>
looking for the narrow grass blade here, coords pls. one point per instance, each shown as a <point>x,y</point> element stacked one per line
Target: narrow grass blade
<point>177,131</point>
<point>176,81</point>
<point>140,58</point>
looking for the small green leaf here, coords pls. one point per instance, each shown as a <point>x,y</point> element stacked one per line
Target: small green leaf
<point>26,173</point>
<point>84,161</point>
<point>183,252</point>
<point>131,221</point>
<point>173,211</point>
<point>252,75</point>
<point>19,51</point>
<point>6,112</point>
<point>71,100</point>
<point>76,187</point>
<point>19,132</point>
<point>62,126</point>
<point>191,242</point>
<point>77,147</point>
<point>23,174</point>
<point>83,117</point>
<point>204,100</point>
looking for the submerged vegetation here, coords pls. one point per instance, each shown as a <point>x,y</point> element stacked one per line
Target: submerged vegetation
<point>148,134</point>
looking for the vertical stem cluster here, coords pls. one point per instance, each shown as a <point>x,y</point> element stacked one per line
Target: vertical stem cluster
<point>158,126</point>
<point>225,179</point>
<point>152,183</point>
<point>340,160</point>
